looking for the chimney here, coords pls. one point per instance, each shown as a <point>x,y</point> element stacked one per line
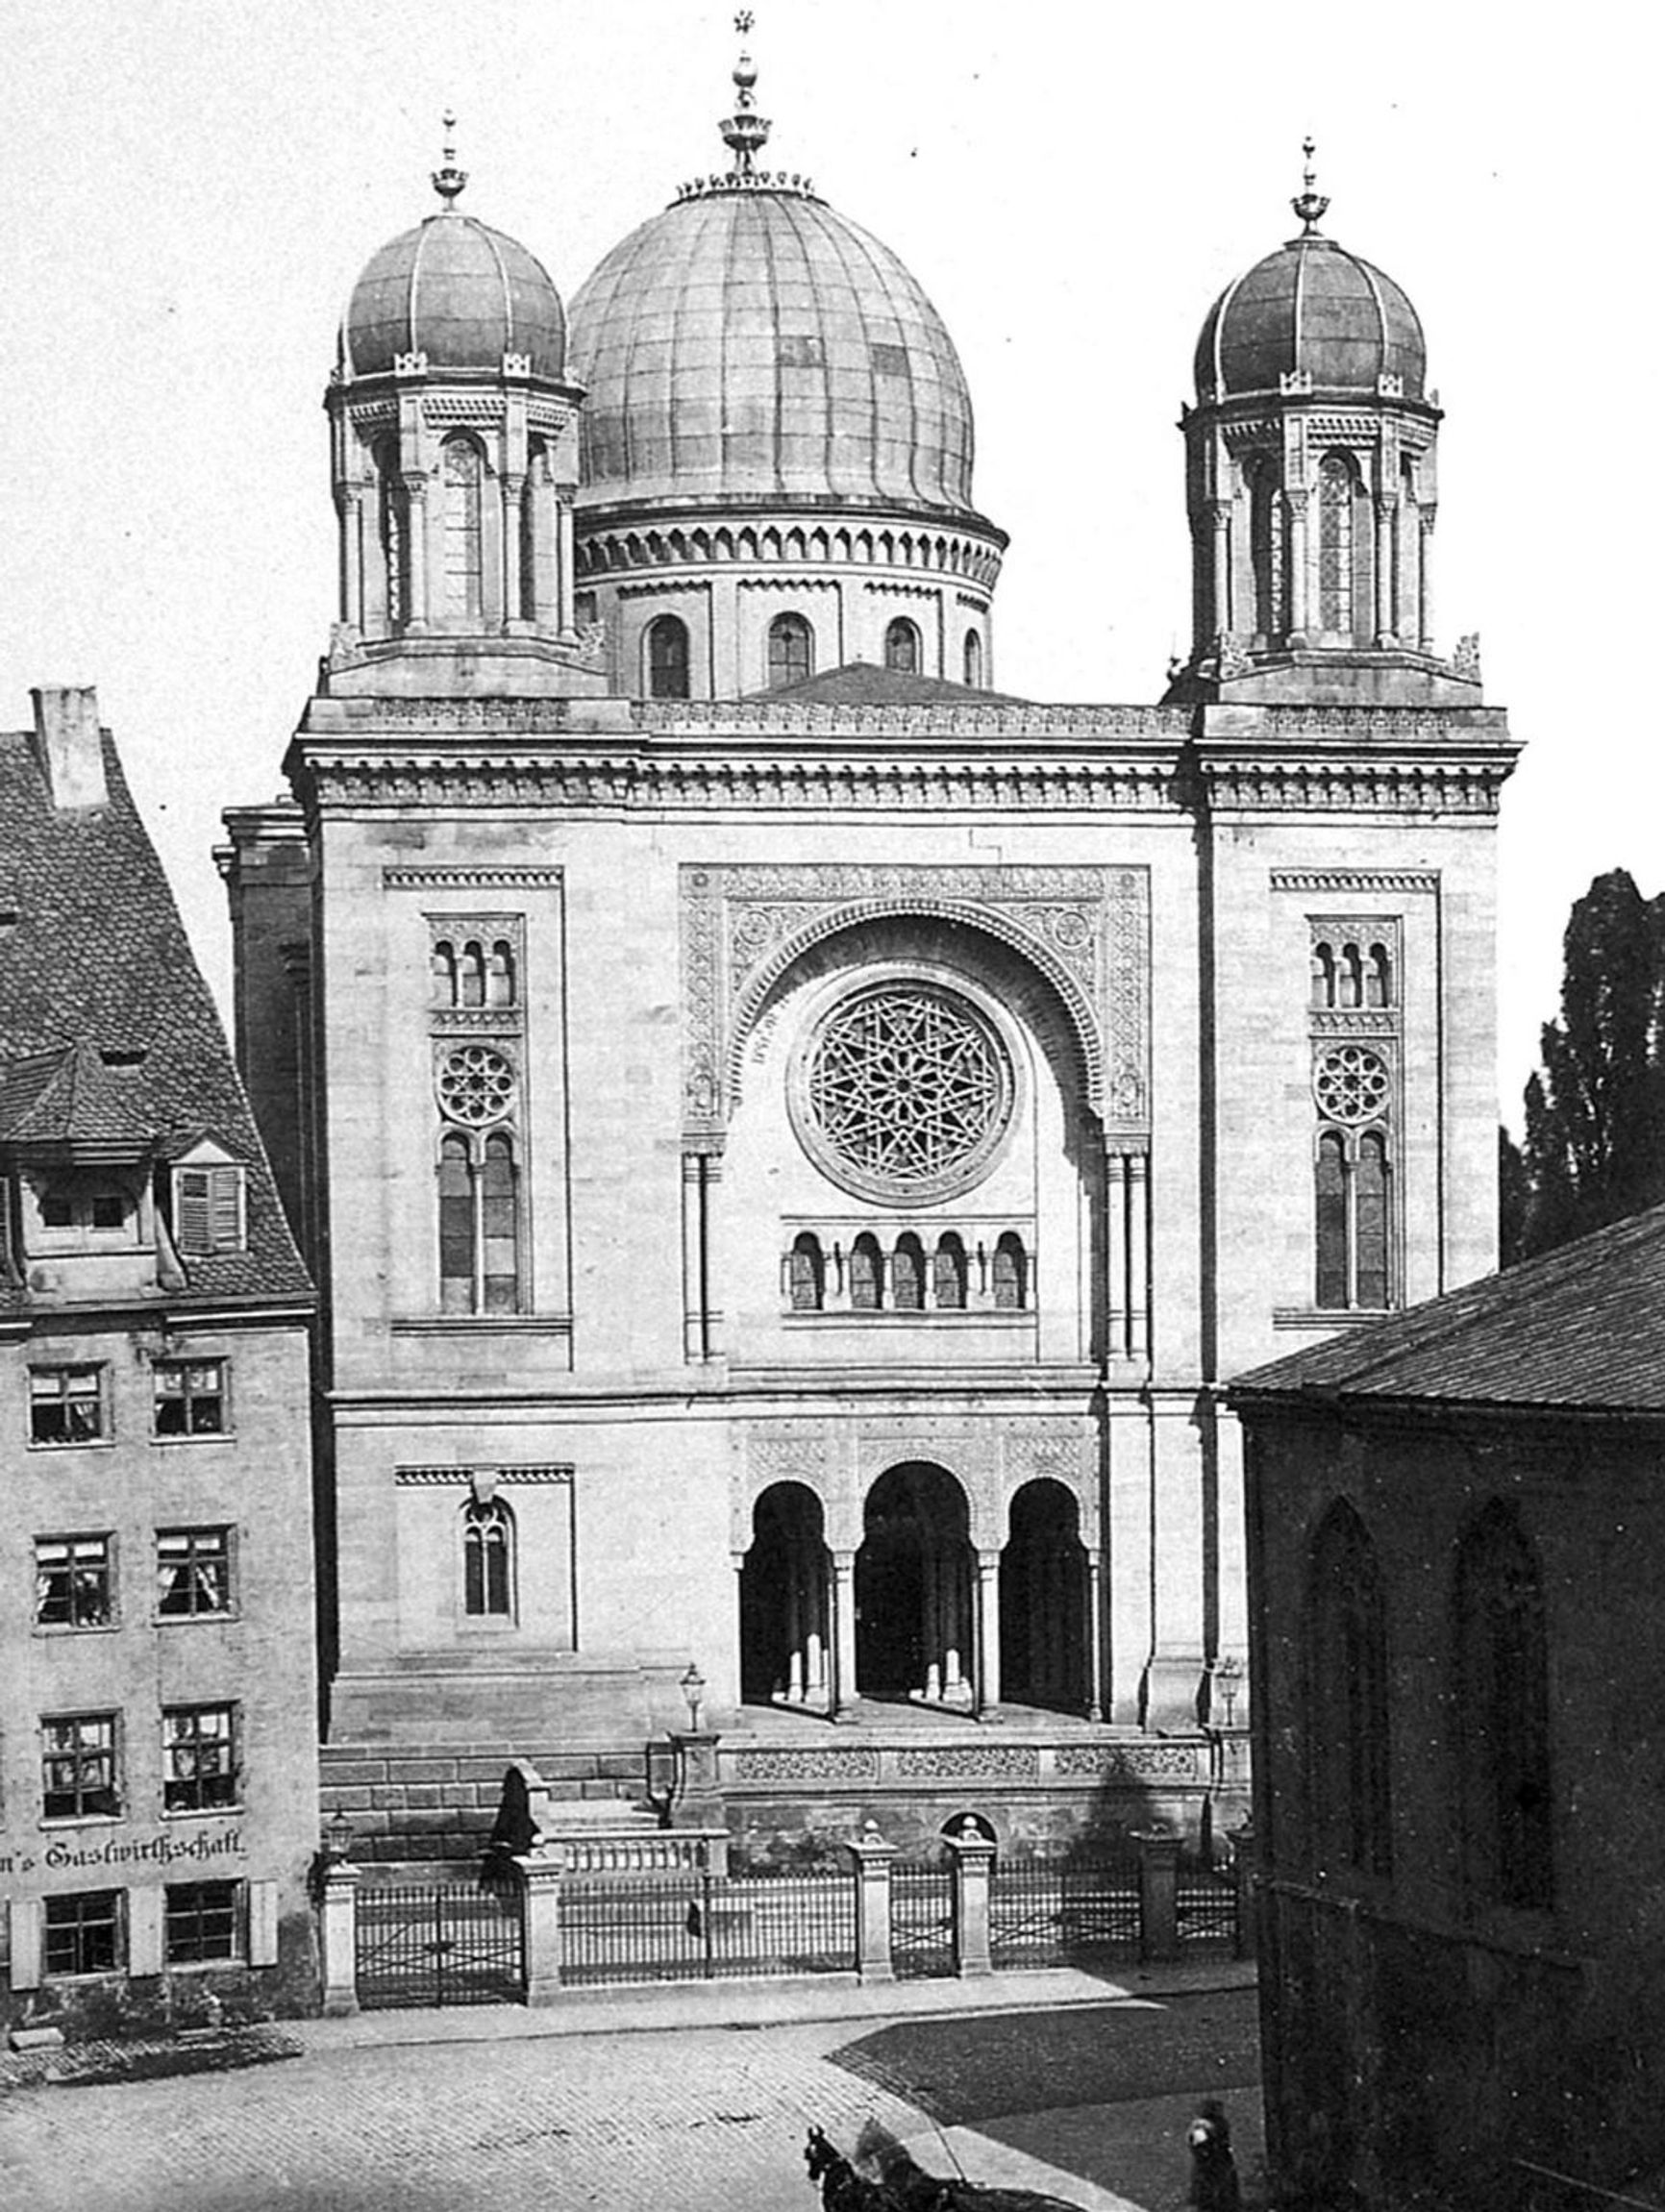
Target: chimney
<point>67,746</point>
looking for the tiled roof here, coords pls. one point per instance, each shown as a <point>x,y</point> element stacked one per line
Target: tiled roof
<point>96,963</point>
<point>1580,1330</point>
<point>864,684</point>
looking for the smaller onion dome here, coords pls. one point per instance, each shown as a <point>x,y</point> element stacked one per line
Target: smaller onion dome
<point>457,291</point>
<point>1310,309</point>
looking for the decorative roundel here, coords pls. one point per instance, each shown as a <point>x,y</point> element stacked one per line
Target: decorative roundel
<point>1350,1084</point>
<point>903,1093</point>
<point>475,1085</point>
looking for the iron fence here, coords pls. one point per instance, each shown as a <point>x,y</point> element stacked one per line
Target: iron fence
<point>699,1926</point>
<point>921,1917</point>
<point>1207,1908</point>
<point>1065,1911</point>
<point>447,1945</point>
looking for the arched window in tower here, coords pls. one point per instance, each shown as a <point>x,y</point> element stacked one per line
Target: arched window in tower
<point>866,1275</point>
<point>901,647</point>
<point>1349,1770</point>
<point>973,661</point>
<point>1268,526</point>
<point>1353,1179</point>
<point>1334,1253</point>
<point>1338,541</point>
<point>668,658</point>
<point>1379,977</point>
<point>445,961</point>
<point>393,529</point>
<point>948,1274</point>
<point>530,491</point>
<point>908,1275</point>
<point>487,1560</point>
<point>500,974</point>
<point>1370,1209</point>
<point>471,973</point>
<point>499,1235</point>
<point>464,470</point>
<point>1323,975</point>
<point>1503,1715</point>
<point>1351,976</point>
<point>791,651</point>
<point>1010,1274</point>
<point>456,1226</point>
<point>806,1275</point>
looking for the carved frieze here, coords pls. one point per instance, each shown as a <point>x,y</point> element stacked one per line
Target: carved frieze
<point>461,1478</point>
<point>1132,1762</point>
<point>1085,930</point>
<point>969,1763</point>
<point>831,1769</point>
<point>1355,882</point>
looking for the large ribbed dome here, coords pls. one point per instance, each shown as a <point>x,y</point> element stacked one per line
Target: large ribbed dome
<point>751,345</point>
<point>1311,308</point>
<point>460,293</point>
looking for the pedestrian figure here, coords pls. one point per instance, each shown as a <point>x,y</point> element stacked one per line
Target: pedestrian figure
<point>1213,2169</point>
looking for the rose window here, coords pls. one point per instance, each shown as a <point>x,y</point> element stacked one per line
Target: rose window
<point>903,1093</point>
<point>476,1085</point>
<point>1350,1084</point>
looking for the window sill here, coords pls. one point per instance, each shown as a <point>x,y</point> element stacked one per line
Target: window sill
<point>70,1444</point>
<point>205,1437</point>
<point>482,1324</point>
<point>72,1823</point>
<point>1330,1316</point>
<point>191,1620</point>
<point>46,1631</point>
<point>203,1812</point>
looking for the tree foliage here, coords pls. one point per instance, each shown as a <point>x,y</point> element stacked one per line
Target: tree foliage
<point>1595,1110</point>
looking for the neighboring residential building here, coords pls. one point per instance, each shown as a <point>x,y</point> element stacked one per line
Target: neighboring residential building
<point>158,1703</point>
<point>1453,1518</point>
<point>789,1153</point>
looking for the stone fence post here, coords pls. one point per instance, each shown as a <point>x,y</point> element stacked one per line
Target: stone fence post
<point>339,1938</point>
<point>1246,1868</point>
<point>873,1858</point>
<point>1159,1894</point>
<point>541,1873</point>
<point>973,1856</point>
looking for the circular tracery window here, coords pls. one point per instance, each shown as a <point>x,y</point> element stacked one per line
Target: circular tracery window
<point>1350,1084</point>
<point>904,1092</point>
<point>475,1085</point>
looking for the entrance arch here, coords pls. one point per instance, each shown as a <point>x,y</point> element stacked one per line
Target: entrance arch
<point>1044,1641</point>
<point>914,1634</point>
<point>785,1602</point>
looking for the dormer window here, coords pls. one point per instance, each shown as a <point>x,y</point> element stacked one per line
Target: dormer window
<point>81,1212</point>
<point>209,1204</point>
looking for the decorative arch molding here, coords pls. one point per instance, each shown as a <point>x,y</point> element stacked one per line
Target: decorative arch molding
<point>1085,931</point>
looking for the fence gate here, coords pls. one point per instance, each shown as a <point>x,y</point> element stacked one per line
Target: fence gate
<point>698,1926</point>
<point>921,1917</point>
<point>1064,1912</point>
<point>453,1945</point>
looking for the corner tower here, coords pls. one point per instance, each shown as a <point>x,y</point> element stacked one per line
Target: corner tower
<point>454,459</point>
<point>777,448</point>
<point>1311,487</point>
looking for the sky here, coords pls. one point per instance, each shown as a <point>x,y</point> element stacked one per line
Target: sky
<point>195,184</point>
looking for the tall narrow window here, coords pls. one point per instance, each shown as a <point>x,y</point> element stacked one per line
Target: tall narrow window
<point>471,973</point>
<point>500,974</point>
<point>866,1275</point>
<point>1335,545</point>
<point>974,660</point>
<point>1352,1088</point>
<point>1370,1222</point>
<point>1323,975</point>
<point>393,527</point>
<point>1379,977</point>
<point>791,651</point>
<point>806,1275</point>
<point>445,972</point>
<point>1010,1274</point>
<point>530,491</point>
<point>1334,1252</point>
<point>667,643</point>
<point>1266,535</point>
<point>479,1223</point>
<point>497,1224</point>
<point>948,1269</point>
<point>456,1227</point>
<point>487,1561</point>
<point>908,1275</point>
<point>1503,1715</point>
<point>464,566</point>
<point>1350,1744</point>
<point>902,648</point>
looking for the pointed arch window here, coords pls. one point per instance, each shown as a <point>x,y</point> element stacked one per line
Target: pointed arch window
<point>1348,1748</point>
<point>394,530</point>
<point>901,647</point>
<point>791,651</point>
<point>1010,1274</point>
<point>807,1274</point>
<point>487,1560</point>
<point>908,1275</point>
<point>667,658</point>
<point>1503,1715</point>
<point>463,571</point>
<point>948,1274</point>
<point>973,661</point>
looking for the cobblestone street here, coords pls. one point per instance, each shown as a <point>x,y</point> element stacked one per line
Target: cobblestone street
<point>1088,2103</point>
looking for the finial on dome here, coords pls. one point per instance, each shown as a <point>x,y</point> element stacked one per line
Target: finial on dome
<point>448,179</point>
<point>1308,203</point>
<point>744,133</point>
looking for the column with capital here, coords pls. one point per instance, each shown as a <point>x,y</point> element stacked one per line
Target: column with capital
<point>350,500</point>
<point>1387,589</point>
<point>843,1634</point>
<point>416,522</point>
<point>1220,517</point>
<point>1299,581</point>
<point>517,549</point>
<point>1425,578</point>
<point>988,1633</point>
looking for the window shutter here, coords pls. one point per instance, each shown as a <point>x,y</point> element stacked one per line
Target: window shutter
<point>208,1211</point>
<point>194,1227</point>
<point>226,1207</point>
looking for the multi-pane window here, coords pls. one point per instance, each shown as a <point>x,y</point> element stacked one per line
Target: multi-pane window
<point>87,1212</point>
<point>65,1404</point>
<point>74,1581</point>
<point>203,1922</point>
<point>791,651</point>
<point>667,643</point>
<point>1353,1087</point>
<point>82,1932</point>
<point>463,569</point>
<point>193,1573</point>
<point>479,1223</point>
<point>189,1397</point>
<point>487,1560</point>
<point>1503,1715</point>
<point>199,1771</point>
<point>79,1774</point>
<point>901,647</point>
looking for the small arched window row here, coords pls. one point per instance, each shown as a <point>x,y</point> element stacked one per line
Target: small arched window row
<point>1352,972</point>
<point>929,1271</point>
<point>480,1233</point>
<point>471,972</point>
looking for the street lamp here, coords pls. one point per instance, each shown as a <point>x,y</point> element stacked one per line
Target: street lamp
<point>1229,1680</point>
<point>338,1829</point>
<point>693,1688</point>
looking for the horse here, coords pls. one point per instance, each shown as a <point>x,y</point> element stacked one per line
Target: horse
<point>905,2186</point>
